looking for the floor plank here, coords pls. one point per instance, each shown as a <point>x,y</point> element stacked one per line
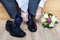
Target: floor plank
<point>41,34</point>
<point>52,6</point>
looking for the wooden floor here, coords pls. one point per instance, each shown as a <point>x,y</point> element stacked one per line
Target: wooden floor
<point>52,6</point>
<point>41,34</point>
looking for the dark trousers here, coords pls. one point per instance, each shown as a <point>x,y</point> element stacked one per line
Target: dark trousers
<point>33,5</point>
<point>11,7</point>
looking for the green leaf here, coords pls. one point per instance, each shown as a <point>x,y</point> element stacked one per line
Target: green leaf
<point>50,15</point>
<point>56,22</point>
<point>46,25</point>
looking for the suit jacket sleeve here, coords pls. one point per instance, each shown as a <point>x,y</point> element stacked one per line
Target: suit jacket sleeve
<point>41,4</point>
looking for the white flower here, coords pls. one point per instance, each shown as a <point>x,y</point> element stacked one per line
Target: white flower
<point>51,25</point>
<point>43,20</point>
<point>46,15</point>
<point>54,19</point>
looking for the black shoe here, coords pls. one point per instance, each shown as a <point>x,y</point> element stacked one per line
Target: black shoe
<point>14,30</point>
<point>32,25</point>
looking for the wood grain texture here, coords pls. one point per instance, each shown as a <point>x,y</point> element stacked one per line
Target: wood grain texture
<point>52,6</point>
<point>3,13</point>
<point>41,34</point>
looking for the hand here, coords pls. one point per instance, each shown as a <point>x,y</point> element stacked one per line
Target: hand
<point>38,13</point>
<point>24,15</point>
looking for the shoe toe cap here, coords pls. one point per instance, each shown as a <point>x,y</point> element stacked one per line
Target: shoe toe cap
<point>21,34</point>
<point>33,29</point>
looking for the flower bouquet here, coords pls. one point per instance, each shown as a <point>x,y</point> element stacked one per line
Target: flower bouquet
<point>49,20</point>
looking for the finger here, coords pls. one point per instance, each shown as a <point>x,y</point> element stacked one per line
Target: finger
<point>37,17</point>
<point>25,19</point>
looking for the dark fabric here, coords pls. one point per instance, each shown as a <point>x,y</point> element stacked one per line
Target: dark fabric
<point>33,4</point>
<point>30,14</point>
<point>18,19</point>
<point>10,6</point>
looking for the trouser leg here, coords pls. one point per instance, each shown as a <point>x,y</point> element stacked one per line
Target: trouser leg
<point>10,6</point>
<point>33,5</point>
